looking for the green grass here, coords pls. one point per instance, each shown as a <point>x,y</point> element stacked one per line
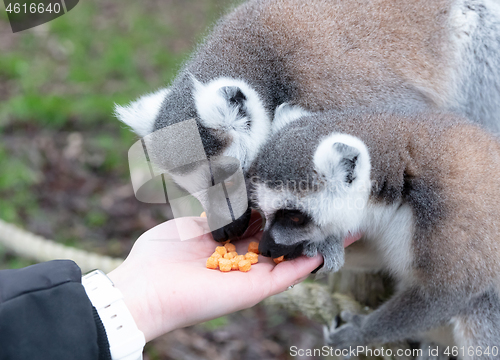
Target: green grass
<point>75,73</point>
<point>16,180</point>
<point>215,324</point>
<point>95,56</point>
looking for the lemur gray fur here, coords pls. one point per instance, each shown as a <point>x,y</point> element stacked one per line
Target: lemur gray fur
<point>323,54</point>
<point>423,192</point>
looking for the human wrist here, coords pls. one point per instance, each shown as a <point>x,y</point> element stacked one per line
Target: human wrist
<point>126,341</point>
<point>138,299</point>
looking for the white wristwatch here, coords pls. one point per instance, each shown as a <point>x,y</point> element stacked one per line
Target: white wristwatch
<point>126,341</point>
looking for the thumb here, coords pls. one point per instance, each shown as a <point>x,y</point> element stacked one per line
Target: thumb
<point>293,272</point>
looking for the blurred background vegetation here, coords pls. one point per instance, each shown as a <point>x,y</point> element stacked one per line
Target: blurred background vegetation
<point>64,171</point>
<point>63,154</point>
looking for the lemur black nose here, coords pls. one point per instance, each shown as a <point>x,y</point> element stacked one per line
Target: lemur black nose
<point>232,230</point>
<point>268,247</point>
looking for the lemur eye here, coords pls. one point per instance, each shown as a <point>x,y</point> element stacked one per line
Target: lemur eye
<point>293,217</point>
<point>297,219</point>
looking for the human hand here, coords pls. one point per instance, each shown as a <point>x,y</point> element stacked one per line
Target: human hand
<point>166,284</point>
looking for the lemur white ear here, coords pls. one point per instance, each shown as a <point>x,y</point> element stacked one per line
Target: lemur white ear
<point>223,101</point>
<point>220,88</point>
<point>233,95</point>
<point>141,114</point>
<point>347,152</point>
<point>348,156</point>
<point>234,107</point>
<point>219,92</point>
<point>341,158</point>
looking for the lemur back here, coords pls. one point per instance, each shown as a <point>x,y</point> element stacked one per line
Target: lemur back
<point>339,54</point>
<point>427,200</point>
<point>335,54</point>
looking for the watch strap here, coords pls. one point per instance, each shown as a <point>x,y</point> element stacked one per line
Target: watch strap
<point>126,341</point>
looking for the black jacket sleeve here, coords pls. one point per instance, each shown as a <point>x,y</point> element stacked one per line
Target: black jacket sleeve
<point>45,314</point>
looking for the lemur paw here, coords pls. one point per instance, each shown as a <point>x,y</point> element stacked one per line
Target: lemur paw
<point>349,334</point>
<point>332,251</point>
<point>310,249</point>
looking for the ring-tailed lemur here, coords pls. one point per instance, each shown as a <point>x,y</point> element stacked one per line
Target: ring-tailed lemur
<point>420,54</point>
<point>422,192</point>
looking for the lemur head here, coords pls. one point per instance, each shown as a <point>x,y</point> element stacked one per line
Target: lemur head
<point>231,118</point>
<point>312,184</point>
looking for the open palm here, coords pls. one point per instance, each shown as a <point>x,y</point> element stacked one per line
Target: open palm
<point>166,284</point>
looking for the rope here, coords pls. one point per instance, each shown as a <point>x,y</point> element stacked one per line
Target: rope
<point>31,246</point>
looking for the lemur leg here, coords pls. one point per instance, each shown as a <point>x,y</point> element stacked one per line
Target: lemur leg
<point>406,314</point>
<point>477,329</point>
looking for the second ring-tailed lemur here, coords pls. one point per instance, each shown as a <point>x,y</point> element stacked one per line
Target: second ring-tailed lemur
<point>421,54</point>
<point>422,192</point>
